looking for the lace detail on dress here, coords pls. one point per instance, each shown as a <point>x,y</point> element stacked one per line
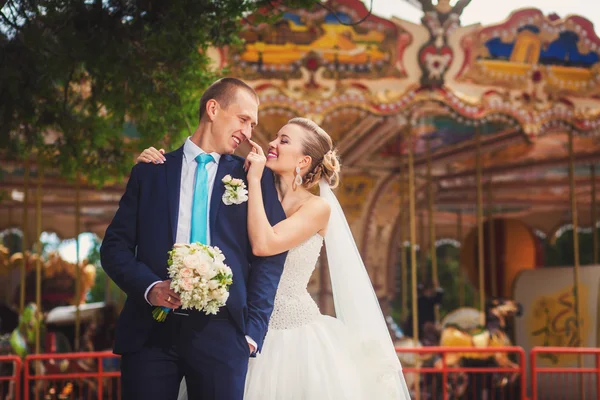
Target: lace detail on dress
<point>294,306</point>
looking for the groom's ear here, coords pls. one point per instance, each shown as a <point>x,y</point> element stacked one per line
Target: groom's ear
<point>212,109</point>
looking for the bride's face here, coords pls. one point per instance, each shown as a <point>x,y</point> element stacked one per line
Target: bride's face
<point>286,151</point>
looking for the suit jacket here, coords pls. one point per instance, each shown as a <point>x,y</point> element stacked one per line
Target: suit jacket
<point>134,251</point>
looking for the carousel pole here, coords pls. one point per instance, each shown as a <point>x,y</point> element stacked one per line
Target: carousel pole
<point>575,239</point>
<point>11,246</point>
<point>403,236</point>
<point>77,262</point>
<point>480,249</point>
<point>431,211</point>
<point>413,238</point>
<point>25,244</point>
<point>492,240</point>
<point>422,248</point>
<point>38,263</point>
<point>461,275</point>
<point>594,216</point>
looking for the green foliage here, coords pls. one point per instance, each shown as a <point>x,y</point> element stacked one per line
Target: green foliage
<point>74,73</point>
<point>449,270</point>
<point>561,252</point>
<point>448,274</point>
<point>98,291</point>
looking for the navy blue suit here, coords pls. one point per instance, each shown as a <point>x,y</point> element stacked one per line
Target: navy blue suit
<point>210,351</point>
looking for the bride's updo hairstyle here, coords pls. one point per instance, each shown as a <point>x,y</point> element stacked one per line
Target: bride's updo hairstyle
<point>319,146</point>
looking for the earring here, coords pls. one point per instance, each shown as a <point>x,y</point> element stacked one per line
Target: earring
<point>298,178</point>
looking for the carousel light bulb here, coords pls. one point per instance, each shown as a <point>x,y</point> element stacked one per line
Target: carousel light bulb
<point>17,195</point>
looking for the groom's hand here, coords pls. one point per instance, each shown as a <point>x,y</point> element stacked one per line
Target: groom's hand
<point>162,295</point>
<point>252,348</point>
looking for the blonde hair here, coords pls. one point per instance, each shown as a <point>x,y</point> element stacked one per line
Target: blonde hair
<point>319,146</point>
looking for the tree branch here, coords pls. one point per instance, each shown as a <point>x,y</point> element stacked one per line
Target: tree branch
<point>7,20</point>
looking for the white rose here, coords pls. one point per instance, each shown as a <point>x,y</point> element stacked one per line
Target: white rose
<point>191,261</point>
<point>236,182</point>
<point>226,179</point>
<point>223,297</point>
<point>212,272</point>
<point>227,199</point>
<point>242,197</point>
<point>202,267</point>
<point>212,284</point>
<point>219,258</point>
<point>181,253</point>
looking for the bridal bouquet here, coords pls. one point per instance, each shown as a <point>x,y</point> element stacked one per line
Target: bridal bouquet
<point>201,278</point>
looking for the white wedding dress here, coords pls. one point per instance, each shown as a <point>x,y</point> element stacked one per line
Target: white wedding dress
<point>310,356</point>
<point>307,355</point>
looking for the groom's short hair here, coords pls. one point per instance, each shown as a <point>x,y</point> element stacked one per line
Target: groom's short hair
<point>223,91</point>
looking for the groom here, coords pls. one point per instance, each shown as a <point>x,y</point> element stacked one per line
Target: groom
<point>180,201</point>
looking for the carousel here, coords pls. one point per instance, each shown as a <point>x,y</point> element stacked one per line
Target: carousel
<point>483,136</point>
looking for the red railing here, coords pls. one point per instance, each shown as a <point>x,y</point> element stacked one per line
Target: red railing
<point>433,372</point>
<point>94,375</point>
<point>580,380</point>
<point>10,385</point>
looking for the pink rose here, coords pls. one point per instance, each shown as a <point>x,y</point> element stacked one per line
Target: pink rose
<point>186,284</point>
<point>187,273</point>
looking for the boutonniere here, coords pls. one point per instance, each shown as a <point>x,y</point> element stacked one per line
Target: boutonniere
<point>235,191</point>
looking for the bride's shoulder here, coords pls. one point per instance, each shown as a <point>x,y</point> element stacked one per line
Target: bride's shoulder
<point>317,206</point>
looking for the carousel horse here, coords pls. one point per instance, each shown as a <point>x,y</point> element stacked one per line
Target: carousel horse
<point>498,312</point>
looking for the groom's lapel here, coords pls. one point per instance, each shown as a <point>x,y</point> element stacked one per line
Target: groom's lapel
<point>226,166</point>
<point>173,164</point>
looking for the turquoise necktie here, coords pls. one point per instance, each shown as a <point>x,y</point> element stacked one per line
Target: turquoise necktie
<point>200,203</point>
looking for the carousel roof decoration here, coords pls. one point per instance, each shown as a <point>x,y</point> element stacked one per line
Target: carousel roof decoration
<point>309,44</point>
<point>558,56</point>
<point>436,55</point>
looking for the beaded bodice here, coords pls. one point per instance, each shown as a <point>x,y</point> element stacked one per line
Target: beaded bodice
<point>294,306</point>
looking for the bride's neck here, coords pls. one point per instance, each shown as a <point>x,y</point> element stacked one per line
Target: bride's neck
<point>285,187</point>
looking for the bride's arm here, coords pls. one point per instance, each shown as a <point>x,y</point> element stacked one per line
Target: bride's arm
<point>267,240</point>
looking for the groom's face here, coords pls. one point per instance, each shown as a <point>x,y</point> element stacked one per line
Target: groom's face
<point>233,124</point>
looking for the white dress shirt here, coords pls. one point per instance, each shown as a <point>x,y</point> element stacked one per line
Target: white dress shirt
<point>189,166</point>
<point>186,193</point>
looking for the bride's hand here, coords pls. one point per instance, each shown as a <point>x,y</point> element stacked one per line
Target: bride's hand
<point>255,162</point>
<point>151,155</point>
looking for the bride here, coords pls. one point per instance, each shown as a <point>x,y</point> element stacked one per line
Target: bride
<point>308,355</point>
